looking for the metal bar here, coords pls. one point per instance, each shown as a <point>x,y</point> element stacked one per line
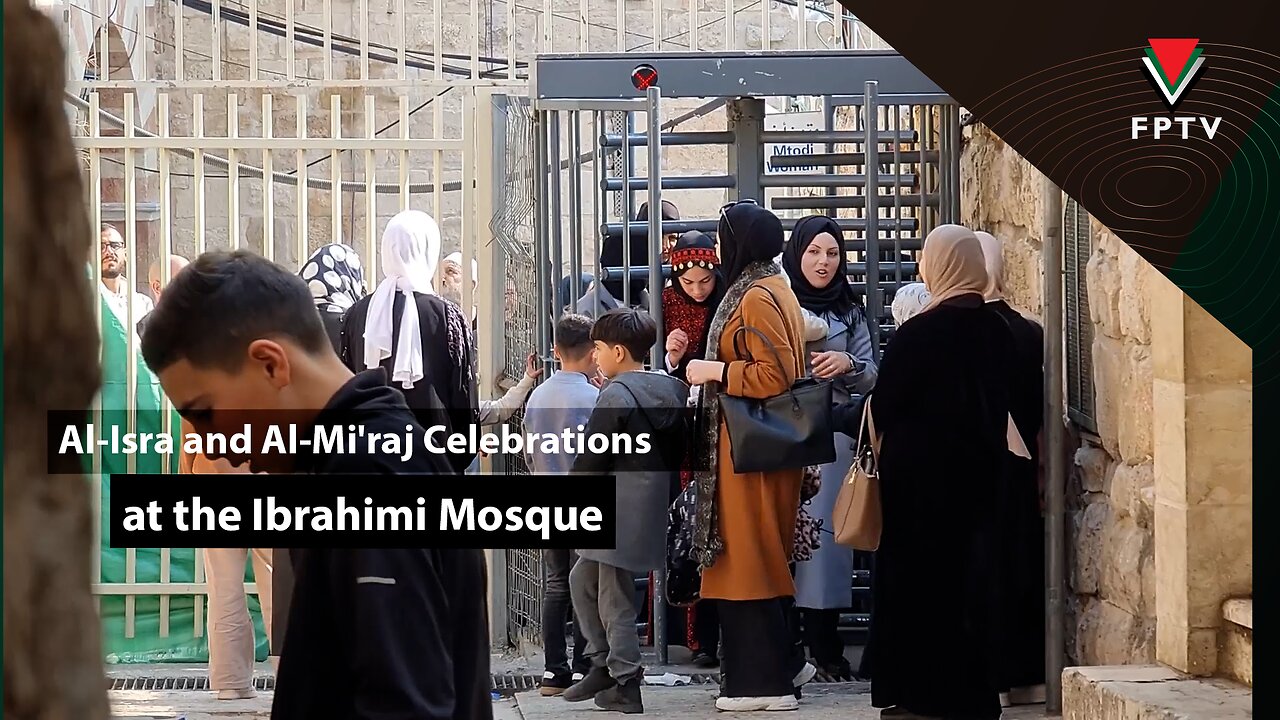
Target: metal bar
<point>627,213</point>
<point>197,132</point>
<point>335,167</point>
<point>1055,443</point>
<point>895,99</point>
<point>874,301</point>
<point>575,211</point>
<point>831,202</point>
<point>268,187</point>
<point>599,211</point>
<point>541,225</point>
<point>588,104</point>
<point>180,45</point>
<point>953,167</point>
<point>852,268</point>
<point>554,215</point>
<point>300,159</point>
<point>731,74</point>
<point>370,198</point>
<point>614,230</point>
<point>468,219</point>
<point>233,172</point>
<point>852,137</point>
<point>165,560</point>
<point>612,140</point>
<point>160,588</point>
<point>833,159</point>
<point>746,157</point>
<point>144,142</point>
<point>687,182</point>
<point>217,30</point>
<point>772,181</point>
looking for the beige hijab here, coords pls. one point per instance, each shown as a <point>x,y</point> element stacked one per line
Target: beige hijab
<point>993,254</point>
<point>952,264</point>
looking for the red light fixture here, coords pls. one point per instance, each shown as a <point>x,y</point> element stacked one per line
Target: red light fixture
<point>644,77</point>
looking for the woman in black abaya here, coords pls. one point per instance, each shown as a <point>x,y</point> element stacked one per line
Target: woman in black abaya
<point>941,404</point>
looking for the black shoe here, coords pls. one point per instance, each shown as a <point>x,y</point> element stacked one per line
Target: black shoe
<point>552,684</point>
<point>623,697</point>
<point>596,682</point>
<point>703,659</point>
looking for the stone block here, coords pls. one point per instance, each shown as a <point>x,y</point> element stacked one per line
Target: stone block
<point>1088,526</point>
<point>1093,465</point>
<point>1125,547</point>
<point>1120,637</point>
<point>1133,493</point>
<point>1102,278</point>
<point>1136,431</point>
<point>1109,392</point>
<point>1136,274</point>
<point>1149,693</point>
<point>1235,658</point>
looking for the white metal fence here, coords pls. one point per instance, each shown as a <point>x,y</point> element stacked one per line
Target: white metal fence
<point>282,125</point>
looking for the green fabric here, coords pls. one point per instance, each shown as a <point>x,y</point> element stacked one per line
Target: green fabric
<point>146,645</point>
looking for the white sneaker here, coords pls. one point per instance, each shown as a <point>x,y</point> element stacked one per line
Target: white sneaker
<point>578,676</point>
<point>755,704</point>
<point>237,694</point>
<point>806,674</point>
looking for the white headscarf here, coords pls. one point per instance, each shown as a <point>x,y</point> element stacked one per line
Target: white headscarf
<point>910,300</point>
<point>456,259</point>
<point>410,251</point>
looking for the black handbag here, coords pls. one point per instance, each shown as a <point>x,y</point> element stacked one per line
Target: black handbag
<point>785,432</point>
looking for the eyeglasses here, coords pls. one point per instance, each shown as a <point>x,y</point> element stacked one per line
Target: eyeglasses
<point>113,246</point>
<point>725,209</point>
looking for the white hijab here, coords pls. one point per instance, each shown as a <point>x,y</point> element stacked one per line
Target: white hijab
<point>456,259</point>
<point>910,300</point>
<point>410,251</point>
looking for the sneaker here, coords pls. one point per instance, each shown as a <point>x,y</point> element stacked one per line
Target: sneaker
<point>237,694</point>
<point>623,697</point>
<point>578,676</point>
<point>757,704</point>
<point>596,682</point>
<point>553,684</point>
<point>806,674</point>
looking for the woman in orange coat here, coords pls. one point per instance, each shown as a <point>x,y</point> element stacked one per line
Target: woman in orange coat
<point>745,524</point>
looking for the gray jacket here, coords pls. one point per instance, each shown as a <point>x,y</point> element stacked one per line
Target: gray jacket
<point>857,342</point>
<point>633,403</point>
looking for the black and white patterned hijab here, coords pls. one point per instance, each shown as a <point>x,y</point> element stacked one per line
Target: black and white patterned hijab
<point>335,277</point>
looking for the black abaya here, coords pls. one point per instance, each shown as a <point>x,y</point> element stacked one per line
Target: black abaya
<point>1023,525</point>
<point>941,403</point>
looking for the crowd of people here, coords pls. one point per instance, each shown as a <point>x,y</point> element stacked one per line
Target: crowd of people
<point>957,621</point>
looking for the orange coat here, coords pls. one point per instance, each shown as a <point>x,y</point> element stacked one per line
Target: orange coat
<point>757,511</point>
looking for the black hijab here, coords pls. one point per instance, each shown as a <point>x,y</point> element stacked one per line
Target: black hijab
<point>611,255</point>
<point>837,297</point>
<point>748,233</point>
<point>696,249</point>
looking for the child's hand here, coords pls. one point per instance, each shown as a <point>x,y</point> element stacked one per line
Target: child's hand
<point>703,371</point>
<point>532,368</point>
<point>598,379</point>
<point>677,345</point>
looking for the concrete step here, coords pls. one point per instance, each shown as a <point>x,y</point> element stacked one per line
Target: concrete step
<point>1150,692</point>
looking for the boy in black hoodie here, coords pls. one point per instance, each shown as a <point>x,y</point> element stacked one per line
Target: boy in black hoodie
<point>372,633</point>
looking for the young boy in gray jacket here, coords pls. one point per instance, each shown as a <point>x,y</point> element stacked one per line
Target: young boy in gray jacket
<point>634,402</point>
<point>563,401</point>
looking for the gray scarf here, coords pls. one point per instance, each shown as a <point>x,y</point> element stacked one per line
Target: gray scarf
<point>707,543</point>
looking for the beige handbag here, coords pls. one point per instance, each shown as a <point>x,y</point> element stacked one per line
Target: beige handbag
<point>857,519</point>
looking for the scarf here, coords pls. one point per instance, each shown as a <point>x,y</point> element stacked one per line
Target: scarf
<point>456,259</point>
<point>410,251</point>
<point>837,295</point>
<point>707,543</point>
<point>993,255</point>
<point>335,277</point>
<point>951,264</point>
<point>909,301</point>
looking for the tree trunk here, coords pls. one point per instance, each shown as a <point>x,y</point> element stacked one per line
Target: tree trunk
<point>52,646</point>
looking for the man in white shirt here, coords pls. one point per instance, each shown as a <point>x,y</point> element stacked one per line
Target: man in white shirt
<point>118,293</point>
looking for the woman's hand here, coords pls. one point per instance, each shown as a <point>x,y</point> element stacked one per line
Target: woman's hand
<point>532,368</point>
<point>831,363</point>
<point>703,371</point>
<point>677,345</point>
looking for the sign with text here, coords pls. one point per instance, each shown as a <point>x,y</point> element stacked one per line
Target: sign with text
<point>809,121</point>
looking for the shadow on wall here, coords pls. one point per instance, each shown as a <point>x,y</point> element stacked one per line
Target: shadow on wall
<point>52,657</point>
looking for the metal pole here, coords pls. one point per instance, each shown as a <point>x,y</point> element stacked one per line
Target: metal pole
<point>543,329</point>
<point>871,126</point>
<point>1055,441</point>
<point>654,96</point>
<point>555,217</point>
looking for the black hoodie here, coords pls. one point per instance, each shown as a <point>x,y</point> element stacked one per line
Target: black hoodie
<point>382,634</point>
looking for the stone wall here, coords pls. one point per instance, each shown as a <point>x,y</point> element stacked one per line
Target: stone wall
<point>1111,605</point>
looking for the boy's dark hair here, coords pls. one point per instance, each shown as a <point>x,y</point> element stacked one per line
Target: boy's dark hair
<point>632,329</point>
<point>573,336</point>
<point>223,301</point>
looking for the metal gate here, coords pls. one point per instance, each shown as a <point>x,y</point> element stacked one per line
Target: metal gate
<point>888,176</point>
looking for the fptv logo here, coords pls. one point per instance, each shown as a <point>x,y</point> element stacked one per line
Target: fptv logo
<point>1173,65</point>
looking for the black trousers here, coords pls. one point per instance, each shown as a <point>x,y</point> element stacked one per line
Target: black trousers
<point>557,609</point>
<point>758,655</point>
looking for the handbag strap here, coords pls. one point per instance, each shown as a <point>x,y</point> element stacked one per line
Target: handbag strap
<point>867,428</point>
<point>764,338</point>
